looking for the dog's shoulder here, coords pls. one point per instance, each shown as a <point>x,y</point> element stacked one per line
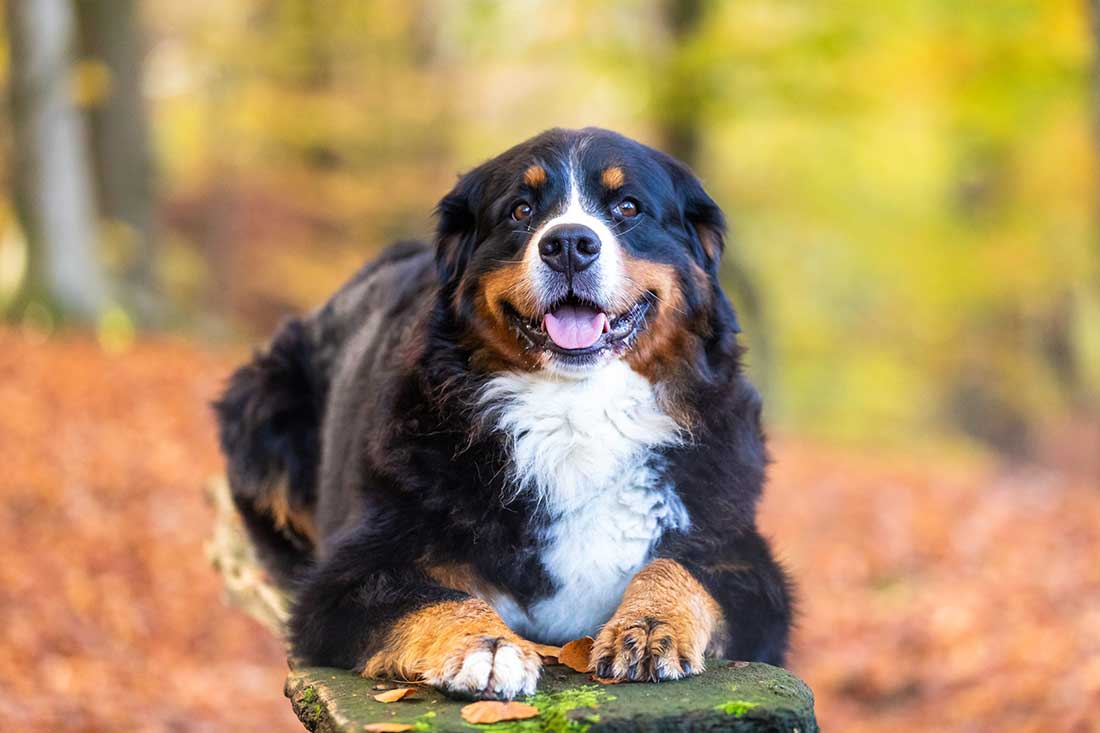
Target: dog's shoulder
<point>384,284</point>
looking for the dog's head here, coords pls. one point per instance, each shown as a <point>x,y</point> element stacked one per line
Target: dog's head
<point>578,247</point>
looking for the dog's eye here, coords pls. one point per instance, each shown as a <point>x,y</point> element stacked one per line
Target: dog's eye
<point>627,208</point>
<point>522,211</point>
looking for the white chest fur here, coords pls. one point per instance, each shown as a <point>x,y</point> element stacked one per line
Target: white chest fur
<point>585,449</point>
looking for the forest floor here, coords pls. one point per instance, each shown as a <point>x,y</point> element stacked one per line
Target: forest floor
<point>946,594</point>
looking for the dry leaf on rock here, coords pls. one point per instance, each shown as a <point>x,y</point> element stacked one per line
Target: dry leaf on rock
<point>387,727</point>
<point>394,695</point>
<point>491,711</point>
<point>577,654</point>
<point>548,653</point>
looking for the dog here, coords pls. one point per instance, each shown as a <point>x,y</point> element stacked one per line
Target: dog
<point>535,429</point>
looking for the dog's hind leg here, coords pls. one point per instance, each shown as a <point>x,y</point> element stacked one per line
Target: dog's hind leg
<point>269,420</point>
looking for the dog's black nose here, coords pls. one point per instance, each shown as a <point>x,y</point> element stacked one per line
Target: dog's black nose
<point>569,248</point>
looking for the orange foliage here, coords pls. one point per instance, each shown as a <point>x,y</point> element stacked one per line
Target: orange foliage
<point>112,619</point>
<point>939,596</point>
<point>947,597</point>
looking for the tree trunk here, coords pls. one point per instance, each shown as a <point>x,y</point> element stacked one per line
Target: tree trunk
<point>123,165</point>
<point>679,109</point>
<point>53,194</point>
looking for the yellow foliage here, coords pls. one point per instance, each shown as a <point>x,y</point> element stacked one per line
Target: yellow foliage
<point>90,82</point>
<point>911,185</point>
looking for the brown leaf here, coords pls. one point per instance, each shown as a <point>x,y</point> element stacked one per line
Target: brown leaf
<point>604,680</point>
<point>548,653</point>
<point>577,654</point>
<point>387,727</point>
<point>394,695</point>
<point>491,711</point>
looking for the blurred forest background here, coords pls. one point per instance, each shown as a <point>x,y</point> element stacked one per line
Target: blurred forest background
<point>914,192</point>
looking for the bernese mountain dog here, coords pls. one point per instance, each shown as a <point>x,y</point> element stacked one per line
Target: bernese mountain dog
<point>534,429</point>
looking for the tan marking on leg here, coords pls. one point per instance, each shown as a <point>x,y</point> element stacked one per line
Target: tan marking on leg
<point>613,178</point>
<point>463,577</point>
<point>662,628</point>
<point>460,646</point>
<point>534,176</point>
<point>457,576</point>
<point>276,503</point>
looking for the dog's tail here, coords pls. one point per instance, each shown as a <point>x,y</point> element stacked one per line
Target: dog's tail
<point>269,422</point>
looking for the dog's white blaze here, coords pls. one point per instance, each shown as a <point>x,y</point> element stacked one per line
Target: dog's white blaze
<point>609,266</point>
<point>585,449</point>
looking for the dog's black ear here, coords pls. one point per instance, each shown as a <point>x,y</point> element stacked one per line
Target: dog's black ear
<point>704,219</point>
<point>456,230</point>
<point>706,226</point>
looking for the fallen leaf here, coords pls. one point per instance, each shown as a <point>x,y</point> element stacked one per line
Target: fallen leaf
<point>387,727</point>
<point>604,680</point>
<point>577,654</point>
<point>394,695</point>
<point>491,711</point>
<point>549,654</point>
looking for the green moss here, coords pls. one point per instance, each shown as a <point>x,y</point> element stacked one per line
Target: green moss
<point>424,722</point>
<point>309,695</point>
<point>554,711</point>
<point>585,696</point>
<point>736,708</point>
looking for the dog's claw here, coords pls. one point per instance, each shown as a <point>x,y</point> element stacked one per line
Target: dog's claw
<point>647,649</point>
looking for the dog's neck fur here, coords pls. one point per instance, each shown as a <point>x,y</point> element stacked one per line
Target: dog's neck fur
<point>571,438</point>
<point>587,451</point>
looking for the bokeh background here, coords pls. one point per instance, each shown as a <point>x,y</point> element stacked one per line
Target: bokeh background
<point>914,191</point>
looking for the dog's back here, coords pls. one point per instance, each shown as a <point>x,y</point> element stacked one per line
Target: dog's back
<point>272,413</point>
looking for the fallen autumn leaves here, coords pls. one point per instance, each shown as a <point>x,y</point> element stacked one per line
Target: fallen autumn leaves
<point>492,711</point>
<point>577,654</point>
<point>394,695</point>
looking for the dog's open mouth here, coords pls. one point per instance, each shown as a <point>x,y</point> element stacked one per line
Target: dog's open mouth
<point>575,327</point>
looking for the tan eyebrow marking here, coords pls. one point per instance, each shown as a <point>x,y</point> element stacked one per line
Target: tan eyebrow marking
<point>534,176</point>
<point>613,178</point>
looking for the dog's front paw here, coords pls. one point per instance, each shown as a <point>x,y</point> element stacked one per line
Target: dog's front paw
<point>649,648</point>
<point>486,667</point>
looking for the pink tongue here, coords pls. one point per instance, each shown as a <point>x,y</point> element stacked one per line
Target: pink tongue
<point>575,327</point>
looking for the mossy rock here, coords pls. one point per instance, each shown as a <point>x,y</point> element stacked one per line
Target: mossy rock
<point>729,696</point>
